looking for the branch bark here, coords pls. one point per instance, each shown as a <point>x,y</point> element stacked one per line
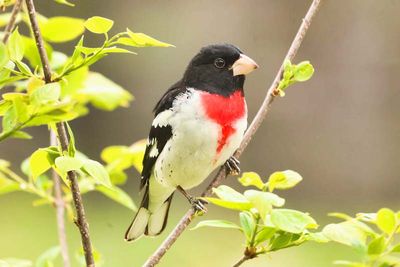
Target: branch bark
<point>258,119</point>
<point>60,210</point>
<point>81,221</point>
<point>241,261</point>
<point>11,23</point>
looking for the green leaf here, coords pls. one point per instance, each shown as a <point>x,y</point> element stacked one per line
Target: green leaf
<point>98,24</point>
<point>303,71</point>
<point>251,178</point>
<point>248,224</point>
<point>47,258</point>
<point>41,160</point>
<point>3,55</point>
<point>227,193</point>
<point>67,163</point>
<point>281,241</point>
<point>97,171</point>
<point>264,234</point>
<point>377,246</point>
<point>62,29</point>
<point>117,50</point>
<point>45,94</point>
<point>230,204</point>
<point>21,110</point>
<point>283,180</point>
<point>15,46</point>
<point>230,198</point>
<point>103,93</point>
<point>346,233</point>
<point>21,135</point>
<point>263,201</point>
<point>317,237</point>
<point>9,120</point>
<point>24,68</point>
<point>217,224</point>
<point>141,40</point>
<point>292,221</point>
<point>118,195</point>
<point>386,220</point>
<point>396,248</point>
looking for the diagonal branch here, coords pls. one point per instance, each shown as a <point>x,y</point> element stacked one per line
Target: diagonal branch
<point>260,116</point>
<point>81,221</point>
<point>11,23</point>
<point>60,209</point>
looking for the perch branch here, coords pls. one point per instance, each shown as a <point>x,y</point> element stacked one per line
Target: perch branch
<point>60,210</point>
<point>241,261</point>
<point>11,23</point>
<point>260,116</point>
<point>81,221</point>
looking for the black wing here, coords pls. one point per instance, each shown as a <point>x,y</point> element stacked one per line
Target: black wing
<point>159,135</point>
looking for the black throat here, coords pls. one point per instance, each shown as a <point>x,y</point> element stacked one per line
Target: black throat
<point>223,83</point>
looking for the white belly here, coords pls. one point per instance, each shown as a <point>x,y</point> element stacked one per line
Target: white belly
<point>190,155</point>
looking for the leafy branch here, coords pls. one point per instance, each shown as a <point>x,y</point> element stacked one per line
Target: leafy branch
<point>64,142</point>
<point>261,114</point>
<point>374,236</point>
<point>266,226</point>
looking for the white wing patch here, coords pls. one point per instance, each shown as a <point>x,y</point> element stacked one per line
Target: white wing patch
<point>162,118</point>
<point>154,151</point>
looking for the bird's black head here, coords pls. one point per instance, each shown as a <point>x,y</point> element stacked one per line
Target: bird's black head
<point>218,69</point>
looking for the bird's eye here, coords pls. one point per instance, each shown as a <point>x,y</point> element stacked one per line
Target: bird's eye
<point>219,63</point>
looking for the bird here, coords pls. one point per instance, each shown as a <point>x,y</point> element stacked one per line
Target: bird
<point>198,125</point>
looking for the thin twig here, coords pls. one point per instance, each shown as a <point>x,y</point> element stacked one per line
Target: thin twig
<point>241,261</point>
<point>60,209</point>
<point>64,142</point>
<point>260,116</point>
<point>11,23</point>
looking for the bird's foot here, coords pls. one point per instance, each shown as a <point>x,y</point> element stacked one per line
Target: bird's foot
<point>232,166</point>
<point>198,204</point>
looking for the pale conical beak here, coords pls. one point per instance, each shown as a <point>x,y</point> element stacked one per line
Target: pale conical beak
<point>244,65</point>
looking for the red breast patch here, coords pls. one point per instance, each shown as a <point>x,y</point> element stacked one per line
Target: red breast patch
<point>224,111</point>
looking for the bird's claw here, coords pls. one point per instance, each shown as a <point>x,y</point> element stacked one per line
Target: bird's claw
<point>198,205</point>
<point>232,166</point>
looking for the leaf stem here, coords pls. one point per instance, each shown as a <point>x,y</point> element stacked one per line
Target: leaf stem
<point>258,119</point>
<point>64,141</point>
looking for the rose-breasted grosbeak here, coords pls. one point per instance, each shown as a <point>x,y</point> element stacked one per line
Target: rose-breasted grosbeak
<point>199,123</point>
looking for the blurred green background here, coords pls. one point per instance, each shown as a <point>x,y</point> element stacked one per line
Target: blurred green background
<point>340,130</point>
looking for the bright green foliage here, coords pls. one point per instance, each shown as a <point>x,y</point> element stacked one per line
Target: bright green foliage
<point>120,158</point>
<point>266,226</point>
<point>283,180</point>
<point>294,73</point>
<point>62,29</point>
<point>73,86</point>
<point>98,24</point>
<point>373,235</point>
<point>30,101</point>
<point>251,178</point>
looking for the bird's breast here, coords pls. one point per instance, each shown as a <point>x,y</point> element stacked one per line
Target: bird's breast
<point>225,111</point>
